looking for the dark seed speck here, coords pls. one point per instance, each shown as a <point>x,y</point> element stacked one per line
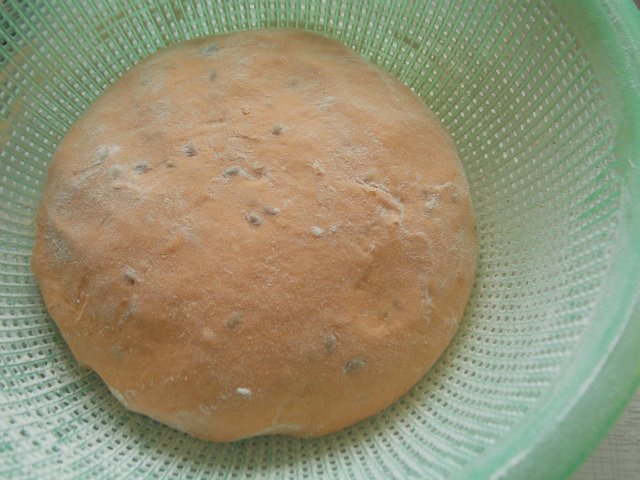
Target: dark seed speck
<point>131,276</point>
<point>271,210</point>
<point>330,342</point>
<point>354,365</point>
<point>190,150</point>
<point>210,50</point>
<point>233,171</point>
<point>254,219</point>
<point>233,320</point>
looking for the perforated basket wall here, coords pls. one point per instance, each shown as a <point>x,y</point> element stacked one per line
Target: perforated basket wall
<point>542,102</point>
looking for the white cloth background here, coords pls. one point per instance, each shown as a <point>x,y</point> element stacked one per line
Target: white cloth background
<point>618,456</point>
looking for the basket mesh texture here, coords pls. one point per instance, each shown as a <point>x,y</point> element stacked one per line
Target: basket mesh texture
<point>520,99</point>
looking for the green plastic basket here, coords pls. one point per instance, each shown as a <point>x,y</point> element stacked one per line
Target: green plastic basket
<point>543,101</point>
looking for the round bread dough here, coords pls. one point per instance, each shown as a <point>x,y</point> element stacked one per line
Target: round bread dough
<point>256,233</point>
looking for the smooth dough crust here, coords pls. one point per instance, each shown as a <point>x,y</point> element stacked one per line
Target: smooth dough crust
<point>256,233</point>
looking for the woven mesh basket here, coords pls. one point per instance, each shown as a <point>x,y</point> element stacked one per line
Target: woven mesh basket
<point>543,101</point>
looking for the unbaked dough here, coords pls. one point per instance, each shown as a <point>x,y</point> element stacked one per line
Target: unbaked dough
<point>256,233</point>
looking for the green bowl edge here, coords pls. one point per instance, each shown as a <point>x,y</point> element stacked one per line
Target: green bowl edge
<point>588,397</point>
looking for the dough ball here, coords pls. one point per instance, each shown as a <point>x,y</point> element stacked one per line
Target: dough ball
<point>256,233</point>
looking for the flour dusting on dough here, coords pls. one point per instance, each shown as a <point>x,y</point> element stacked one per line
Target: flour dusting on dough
<point>256,233</point>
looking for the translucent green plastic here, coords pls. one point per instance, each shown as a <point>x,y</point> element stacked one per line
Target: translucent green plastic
<point>543,101</point>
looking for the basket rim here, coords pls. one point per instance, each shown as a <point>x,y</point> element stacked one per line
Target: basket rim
<point>587,399</point>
